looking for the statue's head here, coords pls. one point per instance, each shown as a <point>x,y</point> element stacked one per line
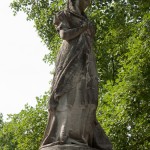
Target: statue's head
<point>80,5</point>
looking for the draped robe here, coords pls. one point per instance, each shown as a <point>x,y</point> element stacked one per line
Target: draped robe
<point>74,94</point>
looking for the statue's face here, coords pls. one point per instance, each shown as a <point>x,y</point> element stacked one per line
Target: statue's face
<point>83,4</point>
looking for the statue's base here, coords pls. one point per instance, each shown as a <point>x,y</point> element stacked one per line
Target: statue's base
<point>66,147</point>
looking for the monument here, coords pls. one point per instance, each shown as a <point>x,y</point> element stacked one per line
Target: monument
<point>72,123</point>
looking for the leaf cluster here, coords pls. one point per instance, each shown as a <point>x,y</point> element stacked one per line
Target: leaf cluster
<point>25,130</point>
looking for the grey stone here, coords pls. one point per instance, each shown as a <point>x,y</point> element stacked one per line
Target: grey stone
<point>66,147</point>
<point>74,94</point>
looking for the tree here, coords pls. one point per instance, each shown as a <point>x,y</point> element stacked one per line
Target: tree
<point>123,62</point>
<point>25,130</point>
<point>1,120</point>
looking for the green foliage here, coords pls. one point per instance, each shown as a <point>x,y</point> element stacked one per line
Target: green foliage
<point>1,120</point>
<point>25,130</point>
<point>122,47</point>
<point>124,75</point>
<point>42,13</point>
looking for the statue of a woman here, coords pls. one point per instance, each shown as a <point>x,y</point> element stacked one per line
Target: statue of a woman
<point>74,95</point>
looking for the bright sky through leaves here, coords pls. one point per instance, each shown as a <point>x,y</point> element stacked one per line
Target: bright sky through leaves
<point>23,74</point>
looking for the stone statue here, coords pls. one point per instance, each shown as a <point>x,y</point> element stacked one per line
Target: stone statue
<point>72,123</point>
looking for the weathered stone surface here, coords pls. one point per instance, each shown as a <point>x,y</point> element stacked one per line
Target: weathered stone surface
<point>74,93</point>
<point>66,147</point>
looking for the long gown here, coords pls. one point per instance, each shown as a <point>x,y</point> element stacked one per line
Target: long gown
<point>74,94</point>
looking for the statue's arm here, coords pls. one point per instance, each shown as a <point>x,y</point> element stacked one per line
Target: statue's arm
<point>68,34</point>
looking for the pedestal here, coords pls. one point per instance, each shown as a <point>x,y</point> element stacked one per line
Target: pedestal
<point>66,147</point>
